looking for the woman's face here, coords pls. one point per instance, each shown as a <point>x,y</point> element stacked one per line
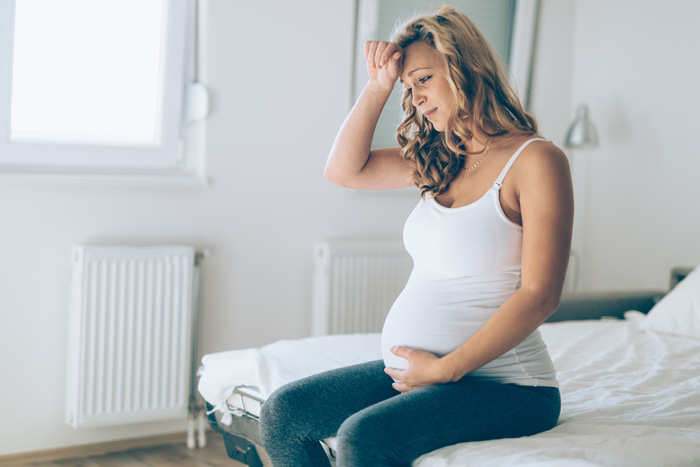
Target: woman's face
<point>425,75</point>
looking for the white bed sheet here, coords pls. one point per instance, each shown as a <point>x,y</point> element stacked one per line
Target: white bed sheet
<point>269,367</point>
<point>629,398</point>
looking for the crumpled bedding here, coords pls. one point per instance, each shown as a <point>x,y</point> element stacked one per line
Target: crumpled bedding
<point>629,398</point>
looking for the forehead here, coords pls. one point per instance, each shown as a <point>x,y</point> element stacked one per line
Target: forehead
<point>419,55</point>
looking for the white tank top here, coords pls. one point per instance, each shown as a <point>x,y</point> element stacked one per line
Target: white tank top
<point>466,264</point>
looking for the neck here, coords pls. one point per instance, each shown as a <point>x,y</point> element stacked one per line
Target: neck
<point>480,138</point>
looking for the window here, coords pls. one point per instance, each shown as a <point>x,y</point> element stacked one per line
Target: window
<point>95,87</point>
<point>507,24</point>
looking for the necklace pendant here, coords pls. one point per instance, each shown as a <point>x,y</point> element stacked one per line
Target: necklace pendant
<point>482,156</point>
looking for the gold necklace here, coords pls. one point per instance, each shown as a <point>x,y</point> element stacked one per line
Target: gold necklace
<point>488,148</point>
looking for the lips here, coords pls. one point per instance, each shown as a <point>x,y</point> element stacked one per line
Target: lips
<point>430,113</point>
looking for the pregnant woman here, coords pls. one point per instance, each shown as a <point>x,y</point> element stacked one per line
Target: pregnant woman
<point>490,239</point>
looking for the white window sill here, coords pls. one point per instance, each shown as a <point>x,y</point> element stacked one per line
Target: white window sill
<point>111,180</point>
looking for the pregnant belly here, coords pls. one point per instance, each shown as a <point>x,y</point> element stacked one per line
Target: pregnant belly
<point>434,326</point>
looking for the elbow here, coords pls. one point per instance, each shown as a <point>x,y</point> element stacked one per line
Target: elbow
<point>331,176</point>
<point>545,303</point>
<point>336,177</point>
<point>328,174</point>
<point>548,304</point>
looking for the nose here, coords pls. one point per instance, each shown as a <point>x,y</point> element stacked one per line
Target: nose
<point>417,99</point>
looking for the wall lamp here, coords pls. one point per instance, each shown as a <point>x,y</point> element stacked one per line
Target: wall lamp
<point>581,133</point>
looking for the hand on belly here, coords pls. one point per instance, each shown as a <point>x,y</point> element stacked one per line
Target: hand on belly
<point>421,369</point>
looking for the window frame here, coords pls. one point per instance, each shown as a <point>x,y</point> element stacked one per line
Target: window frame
<point>171,157</point>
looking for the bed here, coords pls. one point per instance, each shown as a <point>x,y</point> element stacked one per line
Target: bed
<point>630,384</point>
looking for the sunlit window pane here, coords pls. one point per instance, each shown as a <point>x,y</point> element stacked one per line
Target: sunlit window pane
<point>87,71</point>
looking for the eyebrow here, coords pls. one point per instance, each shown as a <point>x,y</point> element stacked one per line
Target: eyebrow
<point>416,69</point>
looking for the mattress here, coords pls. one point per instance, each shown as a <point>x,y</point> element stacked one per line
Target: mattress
<point>629,398</point>
<point>260,371</point>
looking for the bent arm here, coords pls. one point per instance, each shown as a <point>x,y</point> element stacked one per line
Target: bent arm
<point>547,209</point>
<point>547,206</point>
<point>352,163</point>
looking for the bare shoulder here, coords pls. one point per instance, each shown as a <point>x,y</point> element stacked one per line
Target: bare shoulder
<point>539,162</point>
<point>543,153</point>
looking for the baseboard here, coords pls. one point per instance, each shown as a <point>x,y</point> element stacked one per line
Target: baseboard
<point>97,449</point>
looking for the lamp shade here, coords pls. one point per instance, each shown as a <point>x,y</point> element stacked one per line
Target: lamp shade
<point>581,133</point>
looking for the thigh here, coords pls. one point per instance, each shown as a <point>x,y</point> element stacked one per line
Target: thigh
<point>316,406</point>
<point>397,431</point>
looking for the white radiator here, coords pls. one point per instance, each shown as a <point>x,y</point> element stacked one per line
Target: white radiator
<point>130,339</point>
<point>355,283</point>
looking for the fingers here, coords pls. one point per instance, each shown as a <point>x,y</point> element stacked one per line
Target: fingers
<point>401,386</point>
<point>379,53</point>
<point>398,376</point>
<point>395,64</point>
<point>370,51</point>
<point>394,373</point>
<point>399,351</point>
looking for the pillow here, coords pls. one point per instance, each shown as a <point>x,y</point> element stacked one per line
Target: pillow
<point>678,313</point>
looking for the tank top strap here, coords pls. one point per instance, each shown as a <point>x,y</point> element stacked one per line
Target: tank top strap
<point>499,180</point>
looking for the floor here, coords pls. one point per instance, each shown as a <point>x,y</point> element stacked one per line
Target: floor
<point>167,455</point>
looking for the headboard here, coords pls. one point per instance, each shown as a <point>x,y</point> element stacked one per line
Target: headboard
<point>612,304</point>
<point>678,274</point>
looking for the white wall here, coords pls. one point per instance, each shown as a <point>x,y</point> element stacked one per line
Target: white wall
<point>636,65</point>
<point>551,85</point>
<point>280,83</point>
<point>279,77</point>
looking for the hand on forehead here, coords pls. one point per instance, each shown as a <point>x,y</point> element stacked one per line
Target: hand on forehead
<point>417,57</point>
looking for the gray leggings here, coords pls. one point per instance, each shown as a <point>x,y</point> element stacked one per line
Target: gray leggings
<point>377,426</point>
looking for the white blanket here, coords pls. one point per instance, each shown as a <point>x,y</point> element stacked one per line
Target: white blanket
<point>629,398</point>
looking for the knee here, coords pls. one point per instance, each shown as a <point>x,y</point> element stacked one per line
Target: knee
<point>276,414</point>
<point>359,441</point>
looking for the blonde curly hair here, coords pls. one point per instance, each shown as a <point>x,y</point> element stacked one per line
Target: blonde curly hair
<point>481,91</point>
